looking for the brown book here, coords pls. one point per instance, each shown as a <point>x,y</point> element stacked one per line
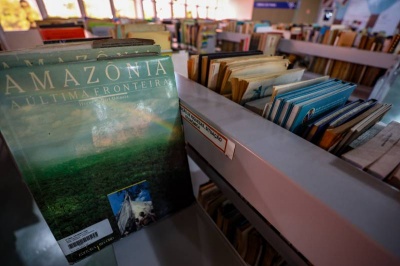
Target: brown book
<point>333,135</point>
<point>340,68</point>
<point>254,247</point>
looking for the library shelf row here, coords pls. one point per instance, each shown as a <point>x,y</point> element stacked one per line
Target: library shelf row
<point>329,211</point>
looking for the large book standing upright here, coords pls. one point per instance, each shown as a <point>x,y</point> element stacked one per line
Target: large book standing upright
<point>99,144</point>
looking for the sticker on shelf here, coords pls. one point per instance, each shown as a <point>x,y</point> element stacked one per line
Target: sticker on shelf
<point>214,136</point>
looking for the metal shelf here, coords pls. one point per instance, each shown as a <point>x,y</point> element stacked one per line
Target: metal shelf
<point>331,212</point>
<point>352,55</point>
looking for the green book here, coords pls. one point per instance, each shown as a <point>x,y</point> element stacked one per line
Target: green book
<point>64,53</point>
<point>99,144</point>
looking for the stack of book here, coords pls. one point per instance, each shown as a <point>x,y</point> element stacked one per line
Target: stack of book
<point>243,236</point>
<point>241,76</point>
<point>379,154</point>
<point>317,109</point>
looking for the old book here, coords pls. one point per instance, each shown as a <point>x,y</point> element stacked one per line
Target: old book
<point>340,69</point>
<point>212,56</point>
<point>334,134</point>
<point>162,38</point>
<point>387,163</point>
<point>85,135</point>
<point>260,85</point>
<point>360,128</point>
<point>279,89</point>
<point>59,54</point>
<point>265,66</point>
<point>375,148</point>
<point>225,63</point>
<point>123,29</point>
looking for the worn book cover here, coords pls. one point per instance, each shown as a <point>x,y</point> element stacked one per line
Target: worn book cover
<point>38,57</point>
<point>96,139</point>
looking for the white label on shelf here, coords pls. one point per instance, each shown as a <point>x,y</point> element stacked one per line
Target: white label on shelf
<point>220,141</point>
<point>85,237</point>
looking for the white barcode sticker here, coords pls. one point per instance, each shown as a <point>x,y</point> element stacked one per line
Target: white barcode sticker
<point>85,237</point>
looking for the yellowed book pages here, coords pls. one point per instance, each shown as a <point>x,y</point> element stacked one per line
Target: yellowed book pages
<point>161,38</point>
<point>258,68</point>
<point>213,76</point>
<point>224,61</point>
<point>368,153</point>
<point>141,27</point>
<point>262,87</point>
<point>195,73</point>
<point>276,90</point>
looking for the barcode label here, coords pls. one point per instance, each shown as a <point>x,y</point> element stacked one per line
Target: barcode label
<point>85,237</point>
<point>83,240</point>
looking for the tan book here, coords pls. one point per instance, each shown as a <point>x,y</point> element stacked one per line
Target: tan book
<point>276,90</point>
<point>375,148</point>
<point>140,27</point>
<point>261,86</point>
<point>161,38</point>
<point>235,61</point>
<point>340,68</point>
<point>265,67</point>
<point>333,135</point>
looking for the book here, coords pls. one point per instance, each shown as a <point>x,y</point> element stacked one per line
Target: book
<point>375,148</point>
<point>83,131</point>
<point>247,88</point>
<point>387,163</point>
<point>257,67</point>
<point>162,38</point>
<point>287,88</point>
<point>281,103</point>
<point>361,127</point>
<point>36,57</point>
<point>317,128</point>
<point>310,110</point>
<point>333,135</point>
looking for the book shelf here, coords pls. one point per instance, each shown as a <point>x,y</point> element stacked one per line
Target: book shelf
<point>353,55</point>
<point>329,211</point>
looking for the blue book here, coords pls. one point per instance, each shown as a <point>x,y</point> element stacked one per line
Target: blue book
<point>280,100</point>
<point>283,119</point>
<point>310,110</point>
<point>276,105</point>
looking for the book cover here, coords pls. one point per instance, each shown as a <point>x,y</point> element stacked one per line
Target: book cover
<point>333,135</point>
<point>319,106</point>
<point>79,132</point>
<point>36,57</point>
<point>280,103</point>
